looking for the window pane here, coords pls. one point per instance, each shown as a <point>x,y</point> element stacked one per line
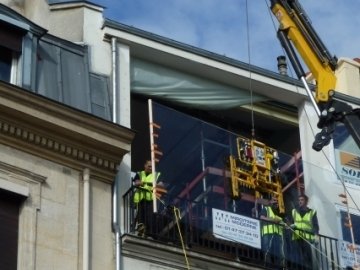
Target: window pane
<point>5,64</point>
<point>355,219</point>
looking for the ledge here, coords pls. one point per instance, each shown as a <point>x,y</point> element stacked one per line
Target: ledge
<point>54,131</point>
<point>154,252</point>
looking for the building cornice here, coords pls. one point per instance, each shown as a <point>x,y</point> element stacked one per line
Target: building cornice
<point>56,132</point>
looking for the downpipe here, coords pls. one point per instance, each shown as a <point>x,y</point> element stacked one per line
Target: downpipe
<point>115,199</point>
<point>116,226</point>
<point>86,218</point>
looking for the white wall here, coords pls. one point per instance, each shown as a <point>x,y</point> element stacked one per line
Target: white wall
<point>321,181</point>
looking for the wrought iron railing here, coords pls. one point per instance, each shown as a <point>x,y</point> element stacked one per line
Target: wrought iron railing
<point>195,223</point>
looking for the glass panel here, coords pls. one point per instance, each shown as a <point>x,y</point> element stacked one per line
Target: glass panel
<point>5,64</point>
<point>62,75</point>
<point>99,96</point>
<point>47,80</point>
<point>355,220</point>
<point>343,140</point>
<point>75,81</point>
<point>195,160</point>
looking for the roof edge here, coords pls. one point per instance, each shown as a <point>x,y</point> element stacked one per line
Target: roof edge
<point>196,50</point>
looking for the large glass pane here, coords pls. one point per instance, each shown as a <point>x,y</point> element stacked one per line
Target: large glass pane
<point>195,160</point>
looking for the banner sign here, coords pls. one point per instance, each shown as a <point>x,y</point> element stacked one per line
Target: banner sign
<point>348,167</point>
<point>237,228</point>
<point>347,257</point>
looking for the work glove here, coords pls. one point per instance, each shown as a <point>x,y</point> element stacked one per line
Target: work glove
<point>277,219</point>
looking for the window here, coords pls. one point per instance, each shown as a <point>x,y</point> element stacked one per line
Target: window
<point>11,40</point>
<point>5,64</point>
<point>9,227</point>
<point>355,219</point>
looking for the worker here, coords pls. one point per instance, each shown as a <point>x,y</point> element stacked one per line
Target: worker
<point>305,235</point>
<point>272,234</point>
<point>143,200</point>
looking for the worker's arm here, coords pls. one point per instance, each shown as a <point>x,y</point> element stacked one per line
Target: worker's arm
<point>137,181</point>
<point>315,224</point>
<point>263,216</point>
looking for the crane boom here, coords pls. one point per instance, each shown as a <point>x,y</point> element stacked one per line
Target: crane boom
<point>295,30</point>
<point>295,27</point>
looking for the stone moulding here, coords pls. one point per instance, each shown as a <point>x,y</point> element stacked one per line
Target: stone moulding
<point>54,131</point>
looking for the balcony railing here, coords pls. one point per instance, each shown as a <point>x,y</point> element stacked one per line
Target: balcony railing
<point>191,223</point>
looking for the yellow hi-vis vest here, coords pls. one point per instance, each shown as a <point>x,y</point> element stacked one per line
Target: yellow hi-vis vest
<point>145,192</point>
<point>271,228</point>
<point>303,225</point>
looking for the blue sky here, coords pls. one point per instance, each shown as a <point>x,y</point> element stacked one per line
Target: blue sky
<point>220,26</point>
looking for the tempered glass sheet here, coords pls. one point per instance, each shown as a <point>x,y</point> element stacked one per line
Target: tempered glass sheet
<point>195,156</point>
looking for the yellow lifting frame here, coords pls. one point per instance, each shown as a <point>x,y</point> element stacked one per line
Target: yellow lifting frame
<point>253,169</point>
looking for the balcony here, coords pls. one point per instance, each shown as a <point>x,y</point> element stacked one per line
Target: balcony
<point>194,166</point>
<point>189,225</point>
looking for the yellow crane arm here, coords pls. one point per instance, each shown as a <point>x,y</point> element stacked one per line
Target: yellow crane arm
<point>294,29</point>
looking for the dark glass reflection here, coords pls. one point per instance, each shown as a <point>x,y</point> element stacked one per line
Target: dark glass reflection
<point>5,64</point>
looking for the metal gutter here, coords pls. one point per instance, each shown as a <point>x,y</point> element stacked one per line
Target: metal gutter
<point>59,2</point>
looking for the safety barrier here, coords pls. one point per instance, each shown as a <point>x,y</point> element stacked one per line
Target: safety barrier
<point>194,219</point>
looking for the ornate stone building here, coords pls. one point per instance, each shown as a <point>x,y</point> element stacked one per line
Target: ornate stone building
<point>74,92</point>
<point>58,158</point>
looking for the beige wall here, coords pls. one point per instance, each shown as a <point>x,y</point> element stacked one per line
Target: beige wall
<point>45,148</point>
<point>348,77</point>
<point>102,239</point>
<point>49,217</point>
<point>50,229</point>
